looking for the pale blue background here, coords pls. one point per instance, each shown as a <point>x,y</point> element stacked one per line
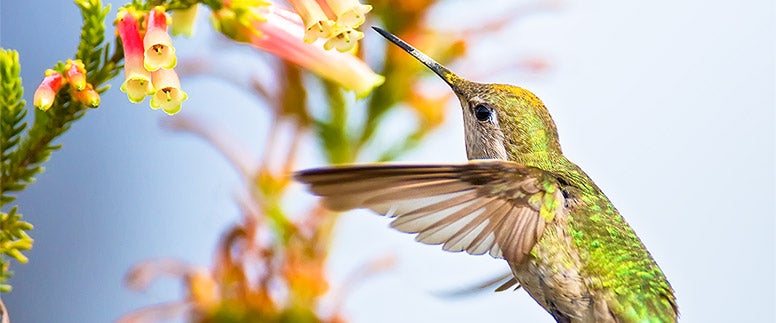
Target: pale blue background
<point>668,105</point>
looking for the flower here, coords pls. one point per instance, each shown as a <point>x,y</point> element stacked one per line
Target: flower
<point>137,80</point>
<point>87,95</point>
<point>76,74</point>
<point>47,90</point>
<point>281,32</point>
<point>344,40</point>
<point>168,95</point>
<point>157,44</point>
<point>333,20</point>
<point>183,21</point>
<point>350,13</point>
<point>316,23</point>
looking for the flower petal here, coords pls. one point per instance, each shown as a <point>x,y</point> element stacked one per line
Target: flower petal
<point>157,44</point>
<point>350,13</point>
<point>47,90</point>
<point>316,23</point>
<point>87,96</point>
<point>281,32</point>
<point>76,74</point>
<point>137,80</point>
<point>169,95</point>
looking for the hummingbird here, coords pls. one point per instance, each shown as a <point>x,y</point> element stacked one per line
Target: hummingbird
<point>518,198</point>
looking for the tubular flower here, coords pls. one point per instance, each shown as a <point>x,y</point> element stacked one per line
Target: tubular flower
<point>350,13</point>
<point>344,40</point>
<point>169,95</point>
<point>316,23</point>
<point>47,90</point>
<point>157,44</point>
<point>183,21</point>
<point>333,20</point>
<point>87,96</point>
<point>137,80</point>
<point>281,32</point>
<point>76,74</point>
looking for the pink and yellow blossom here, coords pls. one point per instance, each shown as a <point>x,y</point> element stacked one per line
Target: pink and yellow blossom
<point>281,32</point>
<point>137,80</point>
<point>75,73</point>
<point>88,96</point>
<point>47,90</point>
<point>168,95</point>
<point>157,44</point>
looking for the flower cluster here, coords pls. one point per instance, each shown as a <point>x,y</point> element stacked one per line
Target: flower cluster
<point>282,32</point>
<point>75,75</point>
<point>333,20</point>
<point>149,59</point>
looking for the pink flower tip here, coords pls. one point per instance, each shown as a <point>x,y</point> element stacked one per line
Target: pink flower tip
<point>157,44</point>
<point>137,80</point>
<point>47,90</point>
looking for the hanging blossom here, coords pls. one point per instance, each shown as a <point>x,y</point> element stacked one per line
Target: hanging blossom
<point>282,32</point>
<point>149,60</point>
<point>137,80</point>
<point>336,21</point>
<point>168,95</point>
<point>47,90</point>
<point>158,51</point>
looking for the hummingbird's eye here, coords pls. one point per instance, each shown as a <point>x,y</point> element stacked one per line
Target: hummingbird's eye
<point>483,112</point>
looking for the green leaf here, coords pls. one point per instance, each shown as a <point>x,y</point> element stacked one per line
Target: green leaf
<point>12,114</point>
<point>13,240</point>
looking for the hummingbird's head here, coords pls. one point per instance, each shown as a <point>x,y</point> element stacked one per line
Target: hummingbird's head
<point>500,121</point>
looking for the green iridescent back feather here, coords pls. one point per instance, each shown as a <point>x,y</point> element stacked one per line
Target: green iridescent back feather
<point>613,257</point>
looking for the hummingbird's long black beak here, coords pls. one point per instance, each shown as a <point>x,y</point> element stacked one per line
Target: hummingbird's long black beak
<point>451,78</point>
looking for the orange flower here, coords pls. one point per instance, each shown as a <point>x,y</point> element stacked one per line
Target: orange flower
<point>76,74</point>
<point>87,95</point>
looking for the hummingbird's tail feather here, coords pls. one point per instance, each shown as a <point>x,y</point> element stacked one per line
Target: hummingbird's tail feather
<point>500,283</point>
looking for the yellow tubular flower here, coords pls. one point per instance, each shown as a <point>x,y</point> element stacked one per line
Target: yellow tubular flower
<point>169,95</point>
<point>157,43</point>
<point>281,32</point>
<point>350,13</point>
<point>316,23</point>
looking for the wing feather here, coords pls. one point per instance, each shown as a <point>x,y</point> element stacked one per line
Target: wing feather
<point>478,207</point>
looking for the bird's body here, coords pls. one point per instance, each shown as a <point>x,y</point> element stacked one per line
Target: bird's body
<point>519,198</point>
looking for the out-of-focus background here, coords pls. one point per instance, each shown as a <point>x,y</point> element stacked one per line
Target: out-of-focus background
<point>668,105</point>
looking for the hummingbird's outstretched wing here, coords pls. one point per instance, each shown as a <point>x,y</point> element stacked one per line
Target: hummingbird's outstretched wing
<point>493,206</point>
